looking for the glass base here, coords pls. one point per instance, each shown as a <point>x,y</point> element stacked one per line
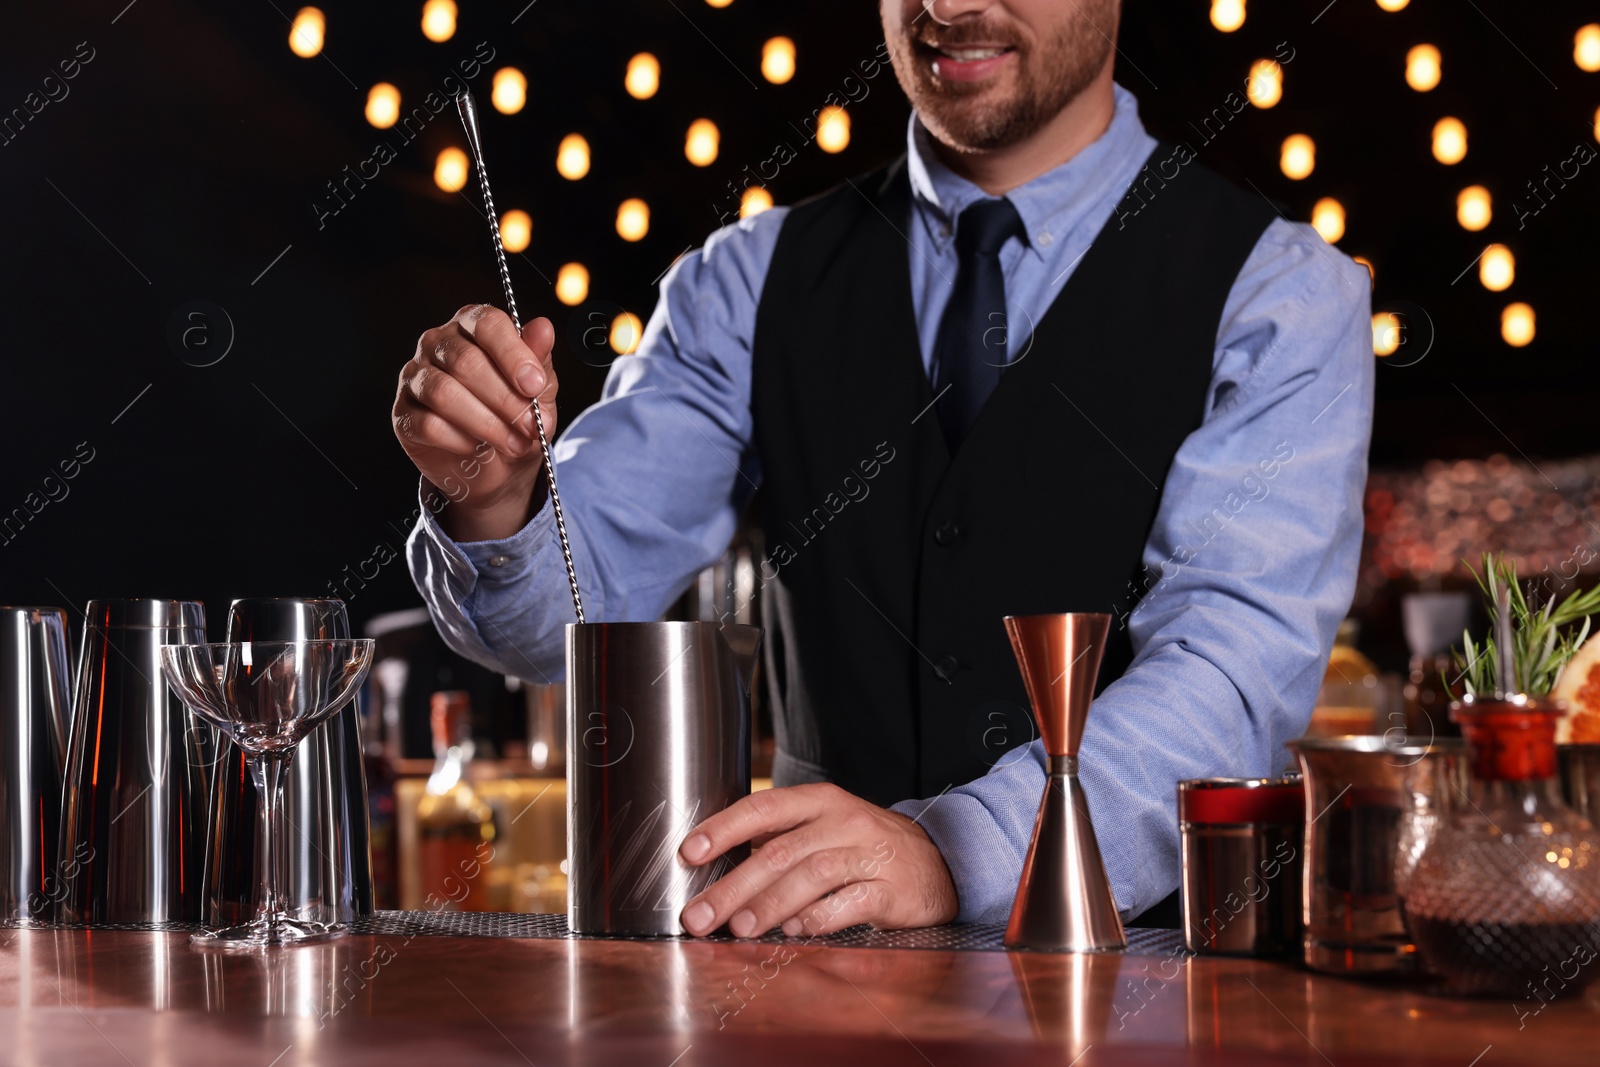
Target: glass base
<point>265,933</point>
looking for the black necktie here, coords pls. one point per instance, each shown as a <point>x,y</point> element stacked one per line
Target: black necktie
<point>971,348</point>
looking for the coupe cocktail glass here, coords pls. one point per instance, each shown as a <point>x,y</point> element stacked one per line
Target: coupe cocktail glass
<point>267,696</point>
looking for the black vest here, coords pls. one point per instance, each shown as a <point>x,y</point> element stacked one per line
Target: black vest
<point>890,563</point>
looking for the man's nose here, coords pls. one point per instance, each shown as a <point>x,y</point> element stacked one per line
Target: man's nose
<point>945,12</point>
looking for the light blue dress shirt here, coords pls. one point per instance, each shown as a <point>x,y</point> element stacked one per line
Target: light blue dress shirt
<point>1250,564</point>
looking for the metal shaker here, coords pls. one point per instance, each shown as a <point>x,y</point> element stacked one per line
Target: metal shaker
<point>1241,842</point>
<point>1360,797</point>
<point>658,740</point>
<point>328,862</point>
<point>137,764</point>
<point>35,701</point>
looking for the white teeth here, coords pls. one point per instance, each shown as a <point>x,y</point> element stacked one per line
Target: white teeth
<point>969,55</point>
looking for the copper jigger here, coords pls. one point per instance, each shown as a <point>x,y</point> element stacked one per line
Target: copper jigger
<point>1064,901</point>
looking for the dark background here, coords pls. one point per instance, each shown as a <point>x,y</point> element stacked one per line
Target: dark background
<point>192,148</point>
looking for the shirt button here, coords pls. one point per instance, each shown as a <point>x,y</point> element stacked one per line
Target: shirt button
<point>1044,240</point>
<point>944,231</point>
<point>945,534</point>
<point>499,561</point>
<point>945,667</point>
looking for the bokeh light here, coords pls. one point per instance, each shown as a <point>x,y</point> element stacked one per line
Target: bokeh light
<point>1449,140</point>
<point>516,230</point>
<point>1298,157</point>
<point>1473,207</point>
<point>755,200</point>
<point>700,145</point>
<point>450,170</point>
<point>572,284</point>
<point>1327,218</point>
<point>306,32</point>
<point>833,129</point>
<point>1372,272</point>
<point>643,77</point>
<point>1265,84</point>
<point>1227,15</point>
<point>1423,67</point>
<point>572,157</point>
<point>1586,48</point>
<point>510,92</point>
<point>439,20</point>
<point>626,329</point>
<point>1516,324</point>
<point>777,60</point>
<point>1497,268</point>
<point>1386,333</point>
<point>1393,5</point>
<point>633,219</point>
<point>383,105</point>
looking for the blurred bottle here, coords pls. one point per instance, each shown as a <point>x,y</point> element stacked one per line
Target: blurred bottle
<point>1350,696</point>
<point>1432,621</point>
<point>455,827</point>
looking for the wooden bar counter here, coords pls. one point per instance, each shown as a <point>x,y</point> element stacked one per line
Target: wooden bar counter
<point>141,998</point>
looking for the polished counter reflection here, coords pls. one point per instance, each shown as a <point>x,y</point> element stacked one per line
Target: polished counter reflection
<point>117,997</point>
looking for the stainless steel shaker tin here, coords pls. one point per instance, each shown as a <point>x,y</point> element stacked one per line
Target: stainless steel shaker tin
<point>137,762</point>
<point>35,702</point>
<point>1241,849</point>
<point>658,740</point>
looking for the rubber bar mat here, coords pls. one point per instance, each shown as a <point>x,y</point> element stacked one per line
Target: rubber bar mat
<point>959,937</point>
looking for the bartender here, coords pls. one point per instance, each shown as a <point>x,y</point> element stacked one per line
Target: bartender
<point>1038,363</point>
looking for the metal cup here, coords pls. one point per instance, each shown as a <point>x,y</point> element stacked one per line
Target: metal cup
<point>1361,796</point>
<point>658,739</point>
<point>35,700</point>
<point>1241,842</point>
<point>547,727</point>
<point>328,864</point>
<point>136,770</point>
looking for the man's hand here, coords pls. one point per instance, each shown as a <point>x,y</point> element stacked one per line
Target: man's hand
<point>464,414</point>
<point>817,840</point>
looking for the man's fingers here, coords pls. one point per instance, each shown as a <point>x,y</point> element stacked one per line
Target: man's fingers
<point>733,892</point>
<point>439,392</point>
<point>493,332</point>
<point>457,354</point>
<point>770,811</point>
<point>540,336</point>
<point>799,889</point>
<point>858,902</point>
<point>418,425</point>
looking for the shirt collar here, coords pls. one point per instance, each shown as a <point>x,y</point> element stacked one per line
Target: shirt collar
<point>1051,204</point>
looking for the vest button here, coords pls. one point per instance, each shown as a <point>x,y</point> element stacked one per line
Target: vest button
<point>945,534</point>
<point>945,668</point>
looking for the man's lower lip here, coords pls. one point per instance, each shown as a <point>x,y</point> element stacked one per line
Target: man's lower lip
<point>970,71</point>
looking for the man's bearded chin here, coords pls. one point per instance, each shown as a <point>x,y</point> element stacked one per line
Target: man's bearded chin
<point>982,117</point>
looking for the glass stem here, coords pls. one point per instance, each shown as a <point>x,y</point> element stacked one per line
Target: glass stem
<point>271,782</point>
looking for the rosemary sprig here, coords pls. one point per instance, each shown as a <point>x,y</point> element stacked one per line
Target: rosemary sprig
<point>1544,639</point>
